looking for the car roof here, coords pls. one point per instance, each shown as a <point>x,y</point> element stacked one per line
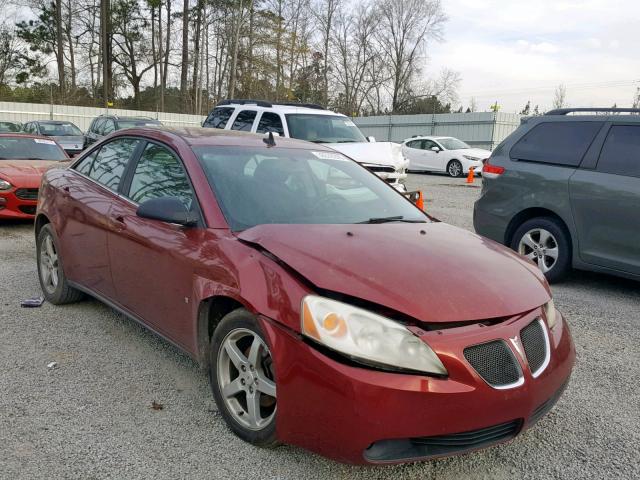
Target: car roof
<point>199,136</point>
<point>52,122</point>
<point>425,137</point>
<point>280,108</point>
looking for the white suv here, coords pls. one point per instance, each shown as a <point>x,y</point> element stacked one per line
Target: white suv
<point>314,124</point>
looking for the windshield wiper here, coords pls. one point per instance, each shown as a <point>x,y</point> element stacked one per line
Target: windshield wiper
<point>396,218</point>
<point>347,141</point>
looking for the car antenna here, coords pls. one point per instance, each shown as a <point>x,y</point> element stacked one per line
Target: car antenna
<point>270,141</point>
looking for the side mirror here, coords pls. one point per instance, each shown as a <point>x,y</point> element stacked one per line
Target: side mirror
<point>371,139</point>
<point>167,209</point>
<point>435,149</point>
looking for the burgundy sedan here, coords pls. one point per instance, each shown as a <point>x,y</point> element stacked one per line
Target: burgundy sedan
<point>23,160</point>
<point>329,312</point>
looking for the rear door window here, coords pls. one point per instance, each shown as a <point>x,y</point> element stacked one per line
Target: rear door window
<point>620,153</point>
<point>270,122</point>
<point>109,127</point>
<point>556,143</point>
<point>244,120</point>
<point>111,161</point>
<point>218,117</point>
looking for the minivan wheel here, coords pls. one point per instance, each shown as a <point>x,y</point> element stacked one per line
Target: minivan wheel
<point>454,168</point>
<point>53,282</point>
<point>242,378</point>
<point>544,241</point>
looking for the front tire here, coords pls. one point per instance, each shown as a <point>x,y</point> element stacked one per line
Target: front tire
<point>546,242</point>
<point>243,380</point>
<point>454,169</point>
<point>54,284</point>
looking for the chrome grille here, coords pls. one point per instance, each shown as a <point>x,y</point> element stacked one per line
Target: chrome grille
<point>536,346</point>
<point>495,363</point>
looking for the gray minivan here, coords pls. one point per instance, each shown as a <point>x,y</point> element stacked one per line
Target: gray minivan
<point>564,191</point>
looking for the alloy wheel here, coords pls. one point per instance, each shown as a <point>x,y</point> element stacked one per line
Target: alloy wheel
<point>540,246</point>
<point>49,265</point>
<point>246,380</point>
<point>455,169</point>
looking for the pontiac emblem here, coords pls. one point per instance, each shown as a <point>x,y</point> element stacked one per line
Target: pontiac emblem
<point>515,341</point>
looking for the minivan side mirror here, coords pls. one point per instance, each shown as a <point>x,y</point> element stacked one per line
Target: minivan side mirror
<point>371,139</point>
<point>435,149</point>
<point>167,209</point>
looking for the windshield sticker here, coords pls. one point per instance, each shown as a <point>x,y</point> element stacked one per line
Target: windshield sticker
<point>46,142</point>
<point>330,156</point>
<point>349,123</point>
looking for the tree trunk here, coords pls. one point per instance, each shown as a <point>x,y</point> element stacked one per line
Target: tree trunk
<point>153,49</point>
<point>160,58</point>
<point>196,54</point>
<point>234,58</point>
<point>167,45</point>
<point>185,49</point>
<point>59,49</point>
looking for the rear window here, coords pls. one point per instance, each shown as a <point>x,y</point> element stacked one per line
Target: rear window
<point>621,151</point>
<point>218,117</point>
<point>556,143</point>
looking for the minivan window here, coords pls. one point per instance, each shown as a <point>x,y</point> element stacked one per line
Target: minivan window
<point>218,117</point>
<point>557,143</point>
<point>270,122</point>
<point>109,126</point>
<point>256,186</point>
<point>112,159</point>
<point>244,121</point>
<point>621,151</point>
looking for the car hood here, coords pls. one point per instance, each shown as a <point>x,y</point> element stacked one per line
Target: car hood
<point>376,153</point>
<point>433,272</point>
<point>69,141</point>
<point>475,152</point>
<point>20,171</point>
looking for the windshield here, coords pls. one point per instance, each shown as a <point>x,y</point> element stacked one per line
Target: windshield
<point>25,148</point>
<point>453,144</point>
<point>323,128</point>
<point>141,122</point>
<point>59,129</point>
<point>256,186</point>
<point>9,127</point>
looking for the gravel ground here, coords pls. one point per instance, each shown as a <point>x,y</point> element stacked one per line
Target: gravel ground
<point>91,417</point>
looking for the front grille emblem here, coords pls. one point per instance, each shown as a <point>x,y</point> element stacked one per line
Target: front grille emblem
<point>515,341</point>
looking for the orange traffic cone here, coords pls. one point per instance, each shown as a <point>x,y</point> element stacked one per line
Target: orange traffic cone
<point>471,176</point>
<point>420,201</point>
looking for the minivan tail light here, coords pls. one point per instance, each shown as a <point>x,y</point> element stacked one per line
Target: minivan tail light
<point>491,171</point>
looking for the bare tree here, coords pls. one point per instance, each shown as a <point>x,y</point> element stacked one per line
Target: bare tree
<point>405,27</point>
<point>560,97</point>
<point>325,13</point>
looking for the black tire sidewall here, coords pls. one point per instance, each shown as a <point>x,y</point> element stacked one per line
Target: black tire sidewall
<point>240,318</point>
<point>57,294</point>
<point>563,263</point>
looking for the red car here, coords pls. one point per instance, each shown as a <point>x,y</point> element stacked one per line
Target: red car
<point>23,160</point>
<point>328,311</point>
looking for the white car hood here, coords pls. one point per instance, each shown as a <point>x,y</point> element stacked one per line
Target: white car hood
<point>375,153</point>
<point>474,152</point>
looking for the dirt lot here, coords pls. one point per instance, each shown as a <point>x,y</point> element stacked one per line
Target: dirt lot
<point>91,417</point>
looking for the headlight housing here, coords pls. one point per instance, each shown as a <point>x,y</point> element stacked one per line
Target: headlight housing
<point>473,159</point>
<point>4,185</point>
<point>550,313</point>
<point>366,336</point>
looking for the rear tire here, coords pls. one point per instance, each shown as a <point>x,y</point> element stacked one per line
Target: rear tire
<point>454,169</point>
<point>546,242</point>
<point>54,284</point>
<point>241,375</point>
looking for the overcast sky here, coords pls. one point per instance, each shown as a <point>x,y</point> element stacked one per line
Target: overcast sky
<point>518,50</point>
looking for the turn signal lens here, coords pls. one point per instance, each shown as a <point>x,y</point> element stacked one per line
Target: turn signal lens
<point>551,314</point>
<point>366,336</point>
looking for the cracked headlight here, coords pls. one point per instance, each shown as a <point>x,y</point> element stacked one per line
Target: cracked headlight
<point>366,336</point>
